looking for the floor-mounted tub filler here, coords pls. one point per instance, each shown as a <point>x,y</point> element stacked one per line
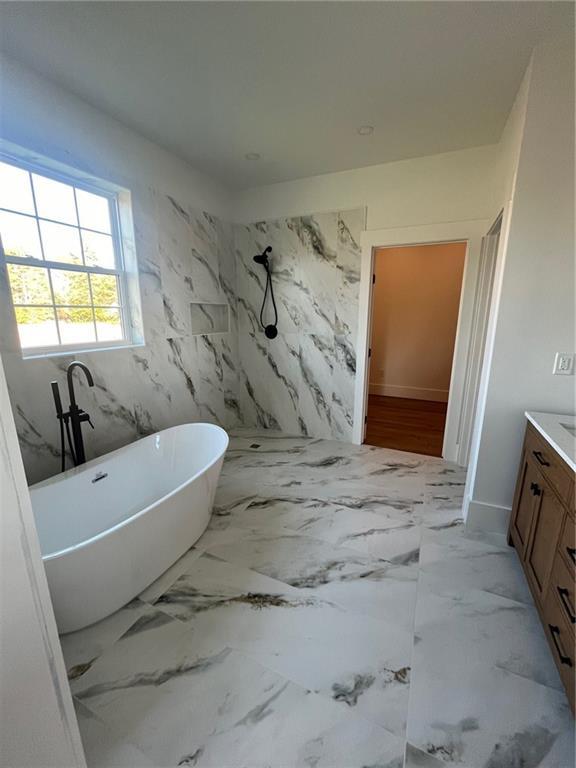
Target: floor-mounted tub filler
<point>110,527</point>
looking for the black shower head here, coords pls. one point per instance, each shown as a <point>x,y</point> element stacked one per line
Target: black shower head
<point>262,258</point>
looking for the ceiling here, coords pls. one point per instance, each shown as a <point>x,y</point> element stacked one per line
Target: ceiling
<point>213,81</point>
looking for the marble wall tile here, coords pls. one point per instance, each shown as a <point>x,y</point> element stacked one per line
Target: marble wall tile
<point>302,382</point>
<point>209,318</point>
<point>251,277</point>
<point>268,384</point>
<point>316,370</point>
<point>350,225</point>
<point>315,263</point>
<point>184,255</point>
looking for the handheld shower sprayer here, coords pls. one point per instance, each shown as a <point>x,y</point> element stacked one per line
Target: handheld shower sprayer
<point>262,258</point>
<point>270,330</point>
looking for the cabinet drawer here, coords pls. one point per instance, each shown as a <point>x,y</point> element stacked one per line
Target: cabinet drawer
<point>562,586</point>
<point>550,465</point>
<point>561,641</point>
<point>567,544</point>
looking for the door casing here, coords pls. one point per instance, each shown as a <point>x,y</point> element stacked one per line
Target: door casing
<point>470,232</point>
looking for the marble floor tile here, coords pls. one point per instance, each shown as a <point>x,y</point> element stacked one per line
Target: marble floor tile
<point>362,664</point>
<point>503,633</point>
<point>336,612</point>
<point>211,583</point>
<point>105,747</point>
<point>490,538</point>
<point>472,564</point>
<point>158,587</point>
<point>484,717</point>
<point>388,591</point>
<point>301,561</point>
<point>221,708</point>
<point>387,534</point>
<point>355,581</point>
<point>440,518</point>
<point>82,648</point>
<point>415,758</point>
<point>398,544</point>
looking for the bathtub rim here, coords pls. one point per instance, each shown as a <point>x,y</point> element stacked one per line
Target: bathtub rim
<point>99,459</point>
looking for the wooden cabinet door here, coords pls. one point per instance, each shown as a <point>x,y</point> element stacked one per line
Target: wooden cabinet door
<point>548,515</point>
<point>524,506</point>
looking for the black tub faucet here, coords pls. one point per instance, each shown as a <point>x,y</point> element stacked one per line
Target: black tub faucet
<point>73,417</point>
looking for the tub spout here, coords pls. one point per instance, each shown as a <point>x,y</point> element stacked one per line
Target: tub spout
<point>76,414</point>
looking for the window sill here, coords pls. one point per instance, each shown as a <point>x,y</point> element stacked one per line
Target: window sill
<point>38,354</point>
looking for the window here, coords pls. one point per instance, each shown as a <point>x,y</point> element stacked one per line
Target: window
<point>62,248</point>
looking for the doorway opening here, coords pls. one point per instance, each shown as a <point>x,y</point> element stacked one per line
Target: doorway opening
<point>415,307</point>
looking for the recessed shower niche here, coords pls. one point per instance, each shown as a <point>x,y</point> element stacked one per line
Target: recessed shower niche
<point>209,318</point>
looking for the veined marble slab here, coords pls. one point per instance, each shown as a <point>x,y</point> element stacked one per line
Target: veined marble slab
<point>184,704</point>
<point>184,256</point>
<point>302,381</point>
<point>290,636</point>
<point>363,665</point>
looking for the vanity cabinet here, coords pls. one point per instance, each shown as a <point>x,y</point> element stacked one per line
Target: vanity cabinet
<point>543,531</point>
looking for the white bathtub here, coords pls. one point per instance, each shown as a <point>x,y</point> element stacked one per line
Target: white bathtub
<point>105,540</point>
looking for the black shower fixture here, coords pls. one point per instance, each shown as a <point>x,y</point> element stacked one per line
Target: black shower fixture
<point>271,329</point>
<point>262,258</point>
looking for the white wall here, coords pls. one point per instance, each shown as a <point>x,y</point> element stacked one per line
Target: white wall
<point>43,117</point>
<point>535,291</point>
<point>37,722</point>
<point>508,149</point>
<point>456,186</point>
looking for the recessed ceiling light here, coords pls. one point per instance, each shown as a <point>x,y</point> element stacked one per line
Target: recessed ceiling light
<point>366,130</point>
<point>252,156</point>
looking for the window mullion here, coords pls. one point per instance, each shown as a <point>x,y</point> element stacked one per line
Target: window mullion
<point>92,307</point>
<point>84,263</point>
<point>53,221</point>
<point>36,217</point>
<point>56,322</point>
<point>31,262</point>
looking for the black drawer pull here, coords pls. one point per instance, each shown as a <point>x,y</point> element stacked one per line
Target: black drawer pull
<point>555,632</point>
<point>564,599</point>
<point>540,459</point>
<point>535,488</point>
<point>571,554</point>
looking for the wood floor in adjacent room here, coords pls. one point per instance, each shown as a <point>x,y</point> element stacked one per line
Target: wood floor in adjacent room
<point>406,425</point>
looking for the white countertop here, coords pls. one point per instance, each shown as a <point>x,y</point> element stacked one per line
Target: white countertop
<point>559,431</point>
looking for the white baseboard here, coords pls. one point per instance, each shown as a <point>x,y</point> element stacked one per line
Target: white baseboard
<point>487,517</point>
<point>416,393</point>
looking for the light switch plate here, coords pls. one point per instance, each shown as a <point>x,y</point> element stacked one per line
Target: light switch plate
<point>563,364</point>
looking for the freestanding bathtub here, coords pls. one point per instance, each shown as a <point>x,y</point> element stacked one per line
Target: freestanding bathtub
<point>110,527</point>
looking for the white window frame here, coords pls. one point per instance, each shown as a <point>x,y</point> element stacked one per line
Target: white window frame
<point>130,334</point>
